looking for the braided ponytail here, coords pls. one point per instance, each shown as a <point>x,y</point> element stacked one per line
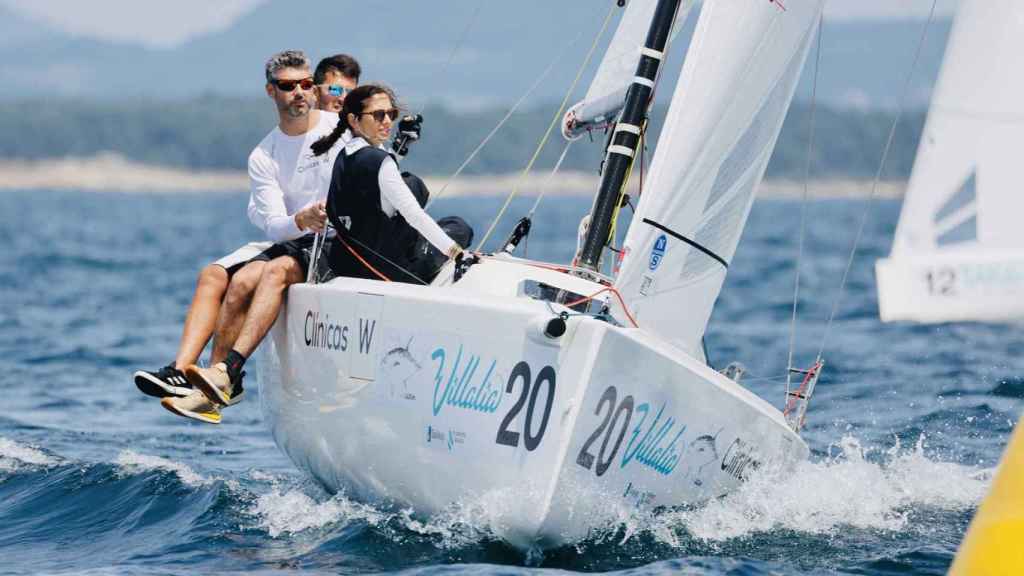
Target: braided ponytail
<point>325,143</point>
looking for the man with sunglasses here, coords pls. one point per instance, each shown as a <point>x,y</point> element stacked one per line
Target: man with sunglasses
<point>288,185</point>
<point>334,77</point>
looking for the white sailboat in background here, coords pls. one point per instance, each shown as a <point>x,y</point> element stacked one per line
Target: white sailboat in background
<point>496,389</point>
<point>958,252</point>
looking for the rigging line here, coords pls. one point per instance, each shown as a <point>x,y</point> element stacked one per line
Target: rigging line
<point>547,181</point>
<point>803,205</point>
<point>554,122</point>
<point>399,267</point>
<point>457,46</point>
<point>511,111</point>
<point>878,177</point>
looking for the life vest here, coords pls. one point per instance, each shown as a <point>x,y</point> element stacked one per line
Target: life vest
<point>369,243</point>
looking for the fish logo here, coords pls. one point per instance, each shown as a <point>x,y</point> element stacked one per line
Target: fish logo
<point>658,252</point>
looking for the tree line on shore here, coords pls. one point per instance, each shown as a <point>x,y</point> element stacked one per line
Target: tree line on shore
<point>217,133</point>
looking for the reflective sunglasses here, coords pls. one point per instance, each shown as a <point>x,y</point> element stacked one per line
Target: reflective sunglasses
<point>379,115</point>
<point>336,90</point>
<point>289,85</point>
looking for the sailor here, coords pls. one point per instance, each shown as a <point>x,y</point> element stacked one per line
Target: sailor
<point>366,191</point>
<point>369,203</point>
<point>334,77</point>
<point>287,184</point>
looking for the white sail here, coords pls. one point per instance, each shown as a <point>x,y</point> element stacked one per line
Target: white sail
<point>738,80</point>
<point>604,98</point>
<point>958,253</point>
<point>968,163</point>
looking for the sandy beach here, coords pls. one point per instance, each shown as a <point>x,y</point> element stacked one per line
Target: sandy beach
<point>113,173</point>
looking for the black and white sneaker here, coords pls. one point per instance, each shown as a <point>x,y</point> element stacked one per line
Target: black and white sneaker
<point>168,381</point>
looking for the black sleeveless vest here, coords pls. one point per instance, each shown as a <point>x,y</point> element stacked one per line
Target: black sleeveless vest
<point>365,235</point>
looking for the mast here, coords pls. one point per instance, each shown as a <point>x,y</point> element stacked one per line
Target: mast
<point>626,136</point>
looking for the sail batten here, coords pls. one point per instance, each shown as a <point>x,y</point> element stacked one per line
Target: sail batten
<point>726,113</point>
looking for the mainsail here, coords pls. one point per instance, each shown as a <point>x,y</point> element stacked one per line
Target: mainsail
<point>963,189</point>
<point>603,100</point>
<point>737,82</point>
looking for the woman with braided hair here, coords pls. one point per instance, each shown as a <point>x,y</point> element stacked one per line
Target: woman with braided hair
<point>369,203</point>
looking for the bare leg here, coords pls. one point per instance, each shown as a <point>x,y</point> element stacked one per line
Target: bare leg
<point>201,318</point>
<point>278,275</point>
<point>236,306</point>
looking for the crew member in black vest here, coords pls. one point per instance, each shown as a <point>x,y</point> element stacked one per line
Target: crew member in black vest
<point>369,203</point>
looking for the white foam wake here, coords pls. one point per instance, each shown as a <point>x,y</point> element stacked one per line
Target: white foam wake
<point>846,490</point>
<point>15,456</point>
<point>292,511</point>
<point>134,463</point>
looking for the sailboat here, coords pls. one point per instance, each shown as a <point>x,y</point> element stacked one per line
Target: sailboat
<point>958,252</point>
<point>555,396</point>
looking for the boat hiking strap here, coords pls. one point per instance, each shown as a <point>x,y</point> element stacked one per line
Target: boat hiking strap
<point>878,176</point>
<point>679,236</point>
<point>554,122</point>
<point>803,207</point>
<point>540,80</point>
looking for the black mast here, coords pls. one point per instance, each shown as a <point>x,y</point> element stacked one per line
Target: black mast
<point>626,136</point>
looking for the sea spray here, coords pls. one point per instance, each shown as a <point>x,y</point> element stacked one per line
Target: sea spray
<point>845,489</point>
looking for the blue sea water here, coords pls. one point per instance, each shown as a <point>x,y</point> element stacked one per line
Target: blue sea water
<point>905,428</point>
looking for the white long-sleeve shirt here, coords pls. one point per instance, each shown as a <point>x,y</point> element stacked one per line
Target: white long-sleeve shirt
<point>285,177</point>
<point>395,196</point>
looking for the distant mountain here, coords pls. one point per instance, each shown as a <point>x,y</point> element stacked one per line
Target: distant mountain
<point>408,43</point>
<point>16,30</point>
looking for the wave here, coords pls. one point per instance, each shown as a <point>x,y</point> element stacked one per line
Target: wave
<point>847,489</point>
<point>292,511</point>
<point>15,456</point>
<point>134,463</point>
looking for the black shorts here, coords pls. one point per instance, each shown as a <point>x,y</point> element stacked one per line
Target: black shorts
<point>301,250</point>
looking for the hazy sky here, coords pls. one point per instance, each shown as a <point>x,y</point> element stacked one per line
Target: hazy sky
<point>168,22</point>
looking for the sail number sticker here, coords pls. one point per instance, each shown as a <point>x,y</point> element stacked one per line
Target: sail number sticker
<point>529,393</point>
<point>653,442</point>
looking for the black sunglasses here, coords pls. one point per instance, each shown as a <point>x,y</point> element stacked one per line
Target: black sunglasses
<point>289,85</point>
<point>378,115</point>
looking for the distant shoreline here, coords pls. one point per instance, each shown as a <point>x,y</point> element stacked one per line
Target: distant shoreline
<point>113,173</point>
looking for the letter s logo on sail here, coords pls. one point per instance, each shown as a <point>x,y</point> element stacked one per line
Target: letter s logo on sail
<point>658,252</point>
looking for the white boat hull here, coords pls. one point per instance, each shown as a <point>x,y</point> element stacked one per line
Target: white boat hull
<point>432,397</point>
<point>951,286</point>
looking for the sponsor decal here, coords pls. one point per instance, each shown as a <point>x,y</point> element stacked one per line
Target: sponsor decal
<point>397,366</point>
<point>740,460</point>
<point>455,437</point>
<point>977,277</point>
<point>702,451</point>
<point>658,252</point>
<point>645,285</point>
<point>449,439</point>
<point>366,328</point>
<point>654,449</point>
<point>654,444</point>
<point>434,435</point>
<point>322,333</point>
<point>641,498</point>
<point>460,385</point>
